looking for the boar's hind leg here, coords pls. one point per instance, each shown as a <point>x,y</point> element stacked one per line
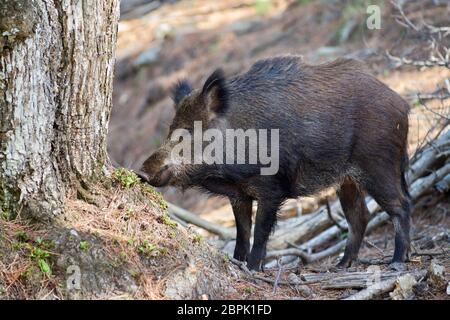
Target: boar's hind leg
<point>388,191</point>
<point>357,215</point>
<point>265,220</point>
<point>242,210</point>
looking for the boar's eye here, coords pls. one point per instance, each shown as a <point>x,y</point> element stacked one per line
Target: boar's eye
<point>180,90</point>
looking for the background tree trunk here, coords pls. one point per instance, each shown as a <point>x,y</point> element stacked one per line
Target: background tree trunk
<point>56,76</point>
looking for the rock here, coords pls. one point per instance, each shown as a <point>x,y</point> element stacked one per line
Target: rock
<point>182,284</point>
<point>436,274</point>
<point>448,288</point>
<point>74,233</point>
<point>404,288</point>
<point>196,281</point>
<point>229,247</point>
<point>90,273</point>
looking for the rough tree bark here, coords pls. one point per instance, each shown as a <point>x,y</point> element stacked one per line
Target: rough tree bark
<point>56,76</point>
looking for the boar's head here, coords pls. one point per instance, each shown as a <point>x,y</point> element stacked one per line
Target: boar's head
<point>191,105</point>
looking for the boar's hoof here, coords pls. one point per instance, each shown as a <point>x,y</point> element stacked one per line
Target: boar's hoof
<point>336,268</point>
<point>398,266</point>
<point>343,264</point>
<point>240,256</point>
<point>254,265</point>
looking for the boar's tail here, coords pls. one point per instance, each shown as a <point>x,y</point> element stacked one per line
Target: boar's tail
<point>403,167</point>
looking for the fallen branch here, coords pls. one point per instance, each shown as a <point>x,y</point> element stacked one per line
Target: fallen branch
<point>432,62</point>
<point>425,158</point>
<point>381,287</point>
<point>277,278</point>
<point>304,228</point>
<point>305,257</point>
<point>360,280</point>
<point>222,232</point>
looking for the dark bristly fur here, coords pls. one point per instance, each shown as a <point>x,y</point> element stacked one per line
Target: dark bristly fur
<point>180,90</point>
<point>338,126</point>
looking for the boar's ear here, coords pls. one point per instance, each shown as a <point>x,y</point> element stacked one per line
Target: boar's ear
<point>180,90</point>
<point>215,93</point>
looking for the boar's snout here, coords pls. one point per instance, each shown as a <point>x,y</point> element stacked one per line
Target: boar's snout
<point>155,172</point>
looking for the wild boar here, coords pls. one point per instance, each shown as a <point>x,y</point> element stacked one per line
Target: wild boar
<point>337,126</point>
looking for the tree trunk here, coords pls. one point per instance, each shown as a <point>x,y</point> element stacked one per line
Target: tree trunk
<point>56,76</point>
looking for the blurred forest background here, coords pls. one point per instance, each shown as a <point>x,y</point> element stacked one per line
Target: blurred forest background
<point>163,41</point>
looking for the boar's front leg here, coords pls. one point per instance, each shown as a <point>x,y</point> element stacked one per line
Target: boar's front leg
<point>266,216</point>
<point>242,209</point>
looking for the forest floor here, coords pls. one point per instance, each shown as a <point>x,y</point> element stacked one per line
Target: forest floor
<point>118,241</point>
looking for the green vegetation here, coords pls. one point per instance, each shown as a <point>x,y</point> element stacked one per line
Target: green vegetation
<point>5,215</point>
<point>150,250</point>
<point>197,238</point>
<point>302,2</point>
<point>165,219</point>
<point>40,256</point>
<point>172,234</point>
<point>126,178</point>
<point>38,251</point>
<point>44,267</point>
<point>354,8</point>
<point>123,256</point>
<point>21,236</point>
<point>45,244</point>
<point>84,245</point>
<point>249,290</point>
<point>130,212</point>
<point>262,7</point>
<point>8,201</point>
<point>157,195</point>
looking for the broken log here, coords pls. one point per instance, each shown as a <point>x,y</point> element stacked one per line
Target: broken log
<point>381,287</point>
<point>360,280</point>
